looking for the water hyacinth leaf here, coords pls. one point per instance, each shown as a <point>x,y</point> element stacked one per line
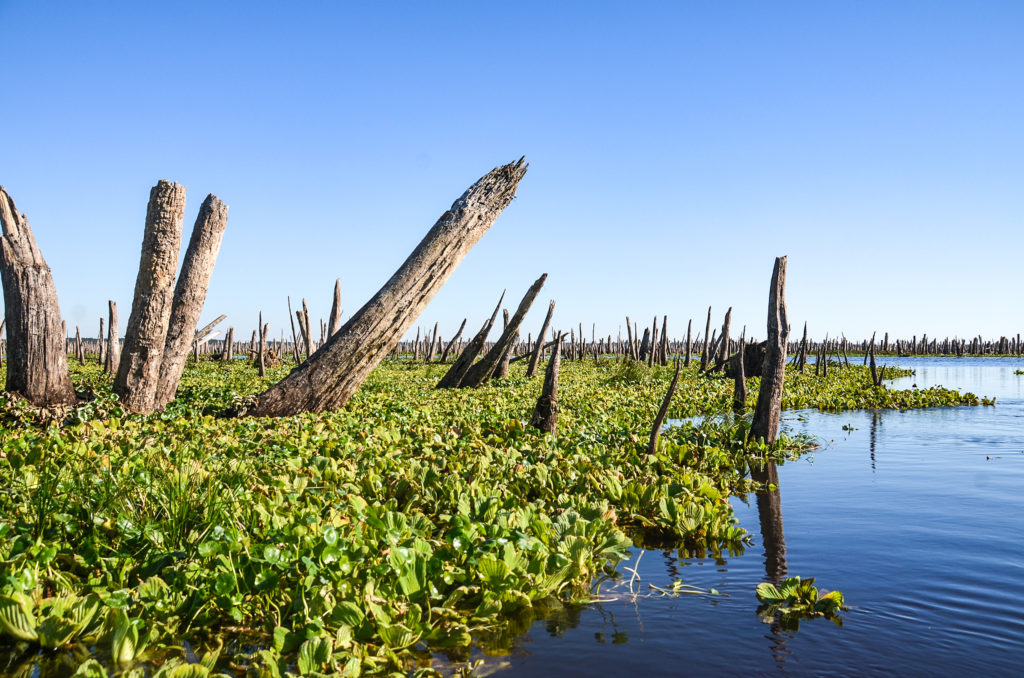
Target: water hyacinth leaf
<point>397,636</point>
<point>16,619</point>
<point>314,655</point>
<point>90,668</point>
<point>769,595</point>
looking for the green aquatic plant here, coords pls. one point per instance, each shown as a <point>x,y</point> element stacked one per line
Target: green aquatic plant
<point>797,599</point>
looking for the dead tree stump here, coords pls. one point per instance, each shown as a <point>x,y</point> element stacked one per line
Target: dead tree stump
<point>739,391</point>
<point>190,294</point>
<point>448,347</point>
<point>138,374</point>
<point>453,377</point>
<point>545,412</point>
<point>652,443</point>
<point>37,364</point>
<point>531,370</point>
<point>479,373</point>
<point>328,379</point>
<point>769,400</point>
<point>334,320</point>
<point>113,341</point>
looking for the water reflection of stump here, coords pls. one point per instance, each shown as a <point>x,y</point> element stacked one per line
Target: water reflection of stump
<point>769,511</point>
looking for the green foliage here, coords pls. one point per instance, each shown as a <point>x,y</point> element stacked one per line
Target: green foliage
<point>350,541</point>
<point>798,599</point>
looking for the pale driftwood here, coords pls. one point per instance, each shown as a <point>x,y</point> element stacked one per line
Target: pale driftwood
<point>113,341</point>
<point>479,373</point>
<point>37,365</point>
<point>765,425</point>
<point>334,321</point>
<point>448,347</point>
<point>652,443</point>
<point>328,379</point>
<point>545,412</point>
<point>138,374</point>
<point>453,377</point>
<point>531,370</point>
<point>190,295</point>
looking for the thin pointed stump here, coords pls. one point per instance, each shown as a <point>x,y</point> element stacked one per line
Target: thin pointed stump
<point>773,373</point>
<point>545,412</point>
<point>138,374</point>
<point>652,444</point>
<point>448,347</point>
<point>479,373</point>
<point>739,391</point>
<point>113,342</point>
<point>531,370</point>
<point>453,377</point>
<point>334,321</point>
<point>328,379</point>
<point>190,294</point>
<point>705,349</point>
<point>37,364</point>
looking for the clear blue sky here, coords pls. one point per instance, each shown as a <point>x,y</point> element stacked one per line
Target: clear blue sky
<point>675,149</point>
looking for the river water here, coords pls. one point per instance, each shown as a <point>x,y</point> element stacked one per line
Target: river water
<point>917,517</point>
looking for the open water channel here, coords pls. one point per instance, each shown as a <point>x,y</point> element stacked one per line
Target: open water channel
<point>916,516</point>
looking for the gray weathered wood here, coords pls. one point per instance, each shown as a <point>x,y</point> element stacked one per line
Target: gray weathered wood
<point>479,373</point>
<point>138,374</point>
<point>113,340</point>
<point>453,377</point>
<point>334,321</point>
<point>329,379</point>
<point>705,349</point>
<point>545,412</point>
<point>689,346</point>
<point>739,391</point>
<point>37,366</point>
<point>531,369</point>
<point>190,294</point>
<point>765,425</point>
<point>448,347</point>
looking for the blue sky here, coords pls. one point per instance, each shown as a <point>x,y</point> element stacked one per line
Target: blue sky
<point>675,149</point>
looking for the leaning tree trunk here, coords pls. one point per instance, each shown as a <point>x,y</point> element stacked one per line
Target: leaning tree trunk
<point>329,378</point>
<point>190,294</point>
<point>139,372</point>
<point>773,373</point>
<point>448,347</point>
<point>535,356</point>
<point>453,377</point>
<point>479,373</point>
<point>37,365</point>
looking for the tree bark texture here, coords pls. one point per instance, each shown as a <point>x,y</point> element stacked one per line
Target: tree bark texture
<point>453,377</point>
<point>138,374</point>
<point>328,379</point>
<point>545,413</point>
<point>704,354</point>
<point>37,364</point>
<point>479,373</point>
<point>773,373</point>
<point>334,321</point>
<point>538,349</point>
<point>190,294</point>
<point>113,341</point>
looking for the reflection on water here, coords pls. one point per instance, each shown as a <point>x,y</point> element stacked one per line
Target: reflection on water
<point>916,516</point>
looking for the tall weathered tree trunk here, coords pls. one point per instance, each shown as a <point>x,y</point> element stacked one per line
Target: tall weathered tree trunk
<point>138,375</point>
<point>739,391</point>
<point>535,356</point>
<point>262,357</point>
<point>190,294</point>
<point>689,330</point>
<point>101,353</point>
<point>228,353</point>
<point>480,372</point>
<point>334,321</point>
<point>433,345</point>
<point>501,371</point>
<point>37,365</point>
<point>328,379</point>
<point>545,412</point>
<point>773,372</point>
<point>723,353</point>
<point>113,341</point>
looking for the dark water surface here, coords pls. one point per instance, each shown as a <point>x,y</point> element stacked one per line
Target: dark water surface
<point>918,517</point>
